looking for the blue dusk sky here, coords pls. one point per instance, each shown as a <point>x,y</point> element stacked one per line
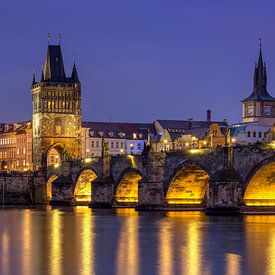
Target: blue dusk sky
<point>140,60</point>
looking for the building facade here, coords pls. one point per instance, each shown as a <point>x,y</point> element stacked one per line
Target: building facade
<point>120,138</point>
<point>16,147</point>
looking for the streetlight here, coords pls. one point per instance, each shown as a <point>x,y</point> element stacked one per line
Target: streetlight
<point>131,147</point>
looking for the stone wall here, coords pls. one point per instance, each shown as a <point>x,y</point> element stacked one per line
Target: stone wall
<point>16,189</point>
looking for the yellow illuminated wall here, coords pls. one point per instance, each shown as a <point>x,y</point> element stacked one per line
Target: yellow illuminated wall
<point>127,190</point>
<point>49,186</point>
<point>188,186</point>
<point>83,187</point>
<point>261,188</point>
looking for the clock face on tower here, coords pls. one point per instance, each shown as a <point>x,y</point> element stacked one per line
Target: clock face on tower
<point>250,110</point>
<point>267,111</point>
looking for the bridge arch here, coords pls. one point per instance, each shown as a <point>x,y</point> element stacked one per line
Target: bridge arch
<point>50,180</point>
<point>82,191</point>
<point>259,187</point>
<point>187,185</point>
<point>126,188</point>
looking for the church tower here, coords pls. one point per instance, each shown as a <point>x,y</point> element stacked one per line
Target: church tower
<point>56,118</point>
<point>259,106</point>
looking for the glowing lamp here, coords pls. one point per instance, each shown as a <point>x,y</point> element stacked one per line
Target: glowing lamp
<point>87,160</point>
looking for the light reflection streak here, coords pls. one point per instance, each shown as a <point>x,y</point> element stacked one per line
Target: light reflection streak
<point>27,240</point>
<point>260,236</point>
<point>128,249</point>
<point>56,243</point>
<point>87,242</point>
<point>165,249</point>
<point>5,242</point>
<point>191,252</point>
<point>232,264</point>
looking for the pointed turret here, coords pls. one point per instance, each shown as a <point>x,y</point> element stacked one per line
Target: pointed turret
<point>53,70</point>
<point>74,76</point>
<point>42,76</point>
<point>33,77</point>
<point>260,82</point>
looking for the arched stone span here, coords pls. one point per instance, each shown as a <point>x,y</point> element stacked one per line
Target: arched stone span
<point>83,188</point>
<point>187,186</point>
<point>126,190</point>
<point>49,186</point>
<point>260,185</point>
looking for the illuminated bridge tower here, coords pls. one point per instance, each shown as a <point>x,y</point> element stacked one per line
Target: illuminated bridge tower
<point>56,115</point>
<point>259,107</point>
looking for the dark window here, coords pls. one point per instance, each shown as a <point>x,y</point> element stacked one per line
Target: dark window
<point>260,134</point>
<point>254,134</point>
<point>248,134</point>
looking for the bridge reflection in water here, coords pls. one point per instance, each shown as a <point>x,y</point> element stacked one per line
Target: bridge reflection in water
<point>84,241</point>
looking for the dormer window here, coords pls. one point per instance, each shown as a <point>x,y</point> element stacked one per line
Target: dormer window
<point>92,133</point>
<point>101,133</point>
<point>111,134</point>
<point>134,136</point>
<point>122,135</point>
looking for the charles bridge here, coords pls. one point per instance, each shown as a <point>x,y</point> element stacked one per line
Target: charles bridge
<point>216,178</point>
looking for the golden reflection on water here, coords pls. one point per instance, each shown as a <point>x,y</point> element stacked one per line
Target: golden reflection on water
<point>260,243</point>
<point>165,249</point>
<point>55,239</point>
<point>27,241</point>
<point>177,228</point>
<point>127,261</point>
<point>87,240</point>
<point>232,264</point>
<point>5,252</point>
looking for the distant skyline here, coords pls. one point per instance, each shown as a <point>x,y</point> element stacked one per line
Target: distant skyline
<point>140,61</point>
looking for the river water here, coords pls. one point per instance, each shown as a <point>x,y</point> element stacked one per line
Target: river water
<point>84,241</point>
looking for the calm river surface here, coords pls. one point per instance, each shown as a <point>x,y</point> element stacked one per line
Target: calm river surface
<point>84,241</point>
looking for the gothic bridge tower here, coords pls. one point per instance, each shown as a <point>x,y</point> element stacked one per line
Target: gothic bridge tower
<point>56,118</point>
<point>260,105</point>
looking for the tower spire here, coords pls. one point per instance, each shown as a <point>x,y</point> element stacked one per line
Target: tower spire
<point>74,76</point>
<point>260,79</point>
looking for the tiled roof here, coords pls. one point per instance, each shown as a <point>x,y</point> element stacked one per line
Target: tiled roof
<point>172,125</point>
<point>118,129</point>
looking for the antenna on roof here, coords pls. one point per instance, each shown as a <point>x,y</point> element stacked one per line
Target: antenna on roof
<point>49,38</point>
<point>59,38</point>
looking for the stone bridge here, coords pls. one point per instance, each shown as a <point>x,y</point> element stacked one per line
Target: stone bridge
<point>216,178</point>
<point>194,179</point>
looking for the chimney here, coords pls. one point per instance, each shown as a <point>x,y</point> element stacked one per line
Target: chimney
<point>208,115</point>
